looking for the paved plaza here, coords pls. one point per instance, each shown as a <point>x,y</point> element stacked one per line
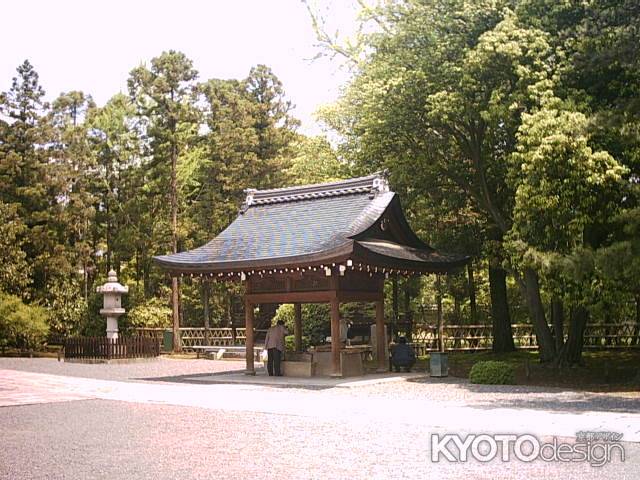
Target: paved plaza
<point>204,419</point>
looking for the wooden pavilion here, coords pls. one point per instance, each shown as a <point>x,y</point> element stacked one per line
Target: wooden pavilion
<point>325,243</point>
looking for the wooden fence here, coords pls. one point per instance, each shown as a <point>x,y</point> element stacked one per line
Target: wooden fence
<point>425,337</point>
<point>478,337</point>
<point>200,336</point>
<point>103,348</point>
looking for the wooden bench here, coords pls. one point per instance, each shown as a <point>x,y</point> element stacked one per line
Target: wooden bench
<point>220,350</point>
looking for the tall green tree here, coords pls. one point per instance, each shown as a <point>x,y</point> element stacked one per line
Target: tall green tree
<point>439,94</point>
<point>128,210</point>
<point>316,161</point>
<point>25,170</point>
<point>73,172</point>
<point>231,163</point>
<point>164,97</point>
<point>15,268</point>
<point>438,100</point>
<point>564,191</point>
<point>273,123</point>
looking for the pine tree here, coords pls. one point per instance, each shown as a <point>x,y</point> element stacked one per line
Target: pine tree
<point>25,179</point>
<point>74,175</point>
<point>273,124</point>
<point>164,96</point>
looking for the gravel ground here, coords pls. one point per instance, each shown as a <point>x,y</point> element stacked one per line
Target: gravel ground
<point>461,392</point>
<point>155,428</point>
<point>97,439</point>
<point>160,367</point>
<point>450,390</point>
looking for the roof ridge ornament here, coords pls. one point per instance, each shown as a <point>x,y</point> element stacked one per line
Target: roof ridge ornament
<point>372,184</point>
<point>380,183</point>
<point>248,201</point>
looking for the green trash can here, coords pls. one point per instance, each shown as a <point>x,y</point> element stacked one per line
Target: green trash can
<point>439,364</point>
<point>167,341</point>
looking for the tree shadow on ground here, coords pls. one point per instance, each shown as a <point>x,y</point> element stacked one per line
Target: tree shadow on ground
<point>534,397</point>
<point>592,403</point>
<point>219,379</point>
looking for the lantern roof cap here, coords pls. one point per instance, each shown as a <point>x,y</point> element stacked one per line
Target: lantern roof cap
<point>112,285</point>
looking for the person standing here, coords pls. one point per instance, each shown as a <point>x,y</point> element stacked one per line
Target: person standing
<point>274,344</point>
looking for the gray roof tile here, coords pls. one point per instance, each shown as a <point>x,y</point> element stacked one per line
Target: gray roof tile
<point>297,225</point>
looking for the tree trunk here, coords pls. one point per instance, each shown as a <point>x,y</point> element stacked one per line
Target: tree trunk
<point>177,344</point>
<point>637,320</point>
<point>440,320</point>
<point>408,317</point>
<point>501,320</point>
<point>557,320</point>
<point>572,352</point>
<point>146,281</point>
<point>472,294</point>
<point>175,300</point>
<point>531,292</point>
<point>137,260</point>
<point>457,309</point>
<point>108,214</point>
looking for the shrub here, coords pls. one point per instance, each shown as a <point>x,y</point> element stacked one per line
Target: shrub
<point>492,373</point>
<point>290,343</point>
<point>153,313</point>
<point>22,326</point>
<point>315,320</point>
<point>68,310</point>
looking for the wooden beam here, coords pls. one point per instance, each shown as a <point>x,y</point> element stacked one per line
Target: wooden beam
<point>336,370</point>
<point>297,327</point>
<point>347,296</point>
<point>381,338</point>
<point>248,323</point>
<point>293,297</point>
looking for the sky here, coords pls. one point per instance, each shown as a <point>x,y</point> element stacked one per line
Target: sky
<point>93,45</point>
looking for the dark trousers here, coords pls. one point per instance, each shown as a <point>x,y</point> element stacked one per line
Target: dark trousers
<point>406,364</point>
<point>274,357</point>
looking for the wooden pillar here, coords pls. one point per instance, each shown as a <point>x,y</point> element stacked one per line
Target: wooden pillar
<point>297,327</point>
<point>205,301</point>
<point>440,324</point>
<point>175,308</point>
<point>381,338</point>
<point>335,339</point>
<point>248,323</point>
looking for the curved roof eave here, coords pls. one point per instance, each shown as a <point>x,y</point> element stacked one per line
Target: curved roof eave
<point>340,253</point>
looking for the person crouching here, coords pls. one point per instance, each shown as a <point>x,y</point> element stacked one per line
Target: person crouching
<point>403,356</point>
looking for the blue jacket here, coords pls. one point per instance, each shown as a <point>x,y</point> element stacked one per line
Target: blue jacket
<point>403,354</point>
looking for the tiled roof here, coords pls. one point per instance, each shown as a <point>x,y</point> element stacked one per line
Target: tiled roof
<point>295,226</point>
<point>414,255</point>
<point>321,190</point>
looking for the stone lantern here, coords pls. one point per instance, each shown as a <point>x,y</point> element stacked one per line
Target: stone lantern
<point>112,308</point>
